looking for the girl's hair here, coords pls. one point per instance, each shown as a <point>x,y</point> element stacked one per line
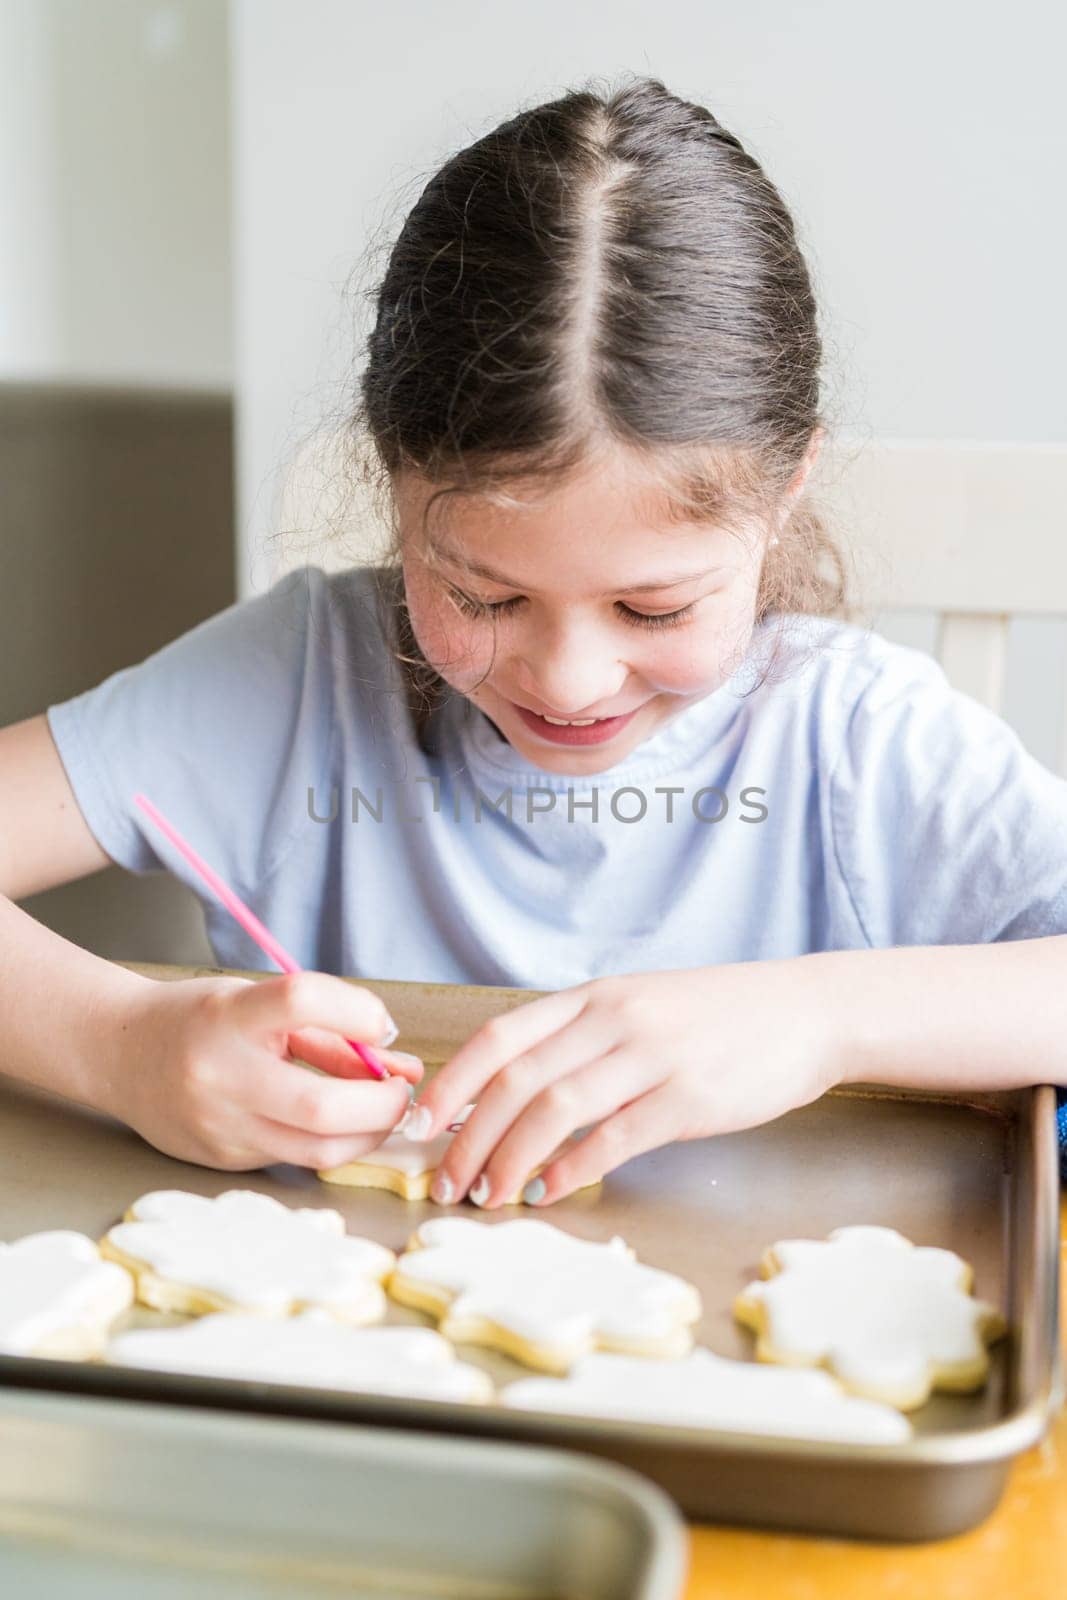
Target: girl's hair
<point>607,269</point>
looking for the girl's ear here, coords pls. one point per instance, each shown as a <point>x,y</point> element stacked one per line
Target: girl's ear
<point>811,455</point>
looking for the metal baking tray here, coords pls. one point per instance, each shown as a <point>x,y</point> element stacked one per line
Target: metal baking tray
<point>102,1498</point>
<point>975,1175</point>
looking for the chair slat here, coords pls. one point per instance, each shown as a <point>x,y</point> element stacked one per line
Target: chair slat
<point>973,652</point>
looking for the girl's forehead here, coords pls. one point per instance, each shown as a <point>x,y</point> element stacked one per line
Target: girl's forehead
<point>600,514</point>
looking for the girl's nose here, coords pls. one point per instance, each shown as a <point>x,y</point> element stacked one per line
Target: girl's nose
<point>570,674</point>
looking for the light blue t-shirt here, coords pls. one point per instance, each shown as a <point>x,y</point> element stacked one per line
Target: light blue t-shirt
<point>851,799</point>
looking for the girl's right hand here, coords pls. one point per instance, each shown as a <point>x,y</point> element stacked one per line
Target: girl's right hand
<point>203,1070</point>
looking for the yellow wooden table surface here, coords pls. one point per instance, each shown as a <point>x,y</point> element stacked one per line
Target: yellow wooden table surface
<point>1019,1553</point>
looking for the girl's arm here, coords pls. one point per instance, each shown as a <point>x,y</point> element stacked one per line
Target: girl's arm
<point>203,1068</point>
<point>648,1058</point>
<point>950,1016</point>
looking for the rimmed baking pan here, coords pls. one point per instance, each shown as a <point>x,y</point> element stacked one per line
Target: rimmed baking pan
<point>975,1175</point>
<point>143,1502</point>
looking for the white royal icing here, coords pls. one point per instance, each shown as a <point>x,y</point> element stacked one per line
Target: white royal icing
<point>703,1390</point>
<point>547,1287</point>
<point>56,1283</point>
<point>256,1253</point>
<point>310,1349</point>
<point>398,1154</point>
<point>883,1314</point>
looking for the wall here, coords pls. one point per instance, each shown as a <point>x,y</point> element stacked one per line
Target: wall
<point>919,146</point>
<point>116,415</point>
<point>115,193</point>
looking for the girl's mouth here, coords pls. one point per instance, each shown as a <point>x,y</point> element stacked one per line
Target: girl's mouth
<point>574,733</point>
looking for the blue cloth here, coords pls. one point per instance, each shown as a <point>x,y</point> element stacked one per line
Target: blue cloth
<point>861,803</point>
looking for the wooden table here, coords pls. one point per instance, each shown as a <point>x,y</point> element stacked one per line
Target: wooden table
<point>1019,1553</point>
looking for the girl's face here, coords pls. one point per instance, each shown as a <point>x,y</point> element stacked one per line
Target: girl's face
<point>584,607</point>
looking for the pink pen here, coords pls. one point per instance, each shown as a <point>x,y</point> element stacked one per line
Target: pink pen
<point>247,918</point>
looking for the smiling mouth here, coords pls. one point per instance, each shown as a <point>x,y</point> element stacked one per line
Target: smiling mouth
<point>575,722</point>
<point>574,730</point>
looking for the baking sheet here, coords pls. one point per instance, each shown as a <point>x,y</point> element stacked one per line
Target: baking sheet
<point>978,1177</point>
<point>108,1500</point>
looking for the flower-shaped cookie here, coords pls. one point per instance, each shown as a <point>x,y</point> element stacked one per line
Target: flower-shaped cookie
<point>311,1349</point>
<point>703,1390</point>
<point>539,1294</point>
<point>890,1320</point>
<point>57,1297</point>
<point>398,1165</point>
<point>408,1169</point>
<point>244,1251</point>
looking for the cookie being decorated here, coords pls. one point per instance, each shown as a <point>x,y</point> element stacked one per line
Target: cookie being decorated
<point>539,1294</point>
<point>311,1349</point>
<point>58,1297</point>
<point>408,1169</point>
<point>702,1390</point>
<point>245,1252</point>
<point>405,1169</point>
<point>891,1320</point>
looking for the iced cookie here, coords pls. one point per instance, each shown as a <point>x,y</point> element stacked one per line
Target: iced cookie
<point>703,1390</point>
<point>539,1294</point>
<point>246,1252</point>
<point>398,1165</point>
<point>311,1349</point>
<point>58,1297</point>
<point>890,1320</point>
<point>404,1168</point>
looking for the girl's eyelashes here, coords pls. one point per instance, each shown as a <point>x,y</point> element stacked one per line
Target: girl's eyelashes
<point>636,619</point>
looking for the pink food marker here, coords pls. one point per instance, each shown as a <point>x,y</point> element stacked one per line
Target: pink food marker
<point>246,917</point>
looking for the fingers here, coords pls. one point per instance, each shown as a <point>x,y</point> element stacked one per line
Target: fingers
<point>507,1139</point>
<point>333,1054</point>
<point>577,1101</point>
<point>496,1043</point>
<point>300,1149</point>
<point>285,1093</point>
<point>642,1125</point>
<point>299,1000</point>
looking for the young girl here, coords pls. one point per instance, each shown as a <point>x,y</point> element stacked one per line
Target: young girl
<point>591,731</point>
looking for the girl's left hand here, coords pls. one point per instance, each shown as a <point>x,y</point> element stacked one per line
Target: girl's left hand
<point>647,1058</point>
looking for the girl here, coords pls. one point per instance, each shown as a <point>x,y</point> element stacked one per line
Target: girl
<point>592,730</point>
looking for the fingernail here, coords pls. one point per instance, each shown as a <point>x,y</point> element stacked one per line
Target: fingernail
<point>534,1191</point>
<point>393,1032</point>
<point>404,1055</point>
<point>442,1189</point>
<point>418,1124</point>
<point>479,1191</point>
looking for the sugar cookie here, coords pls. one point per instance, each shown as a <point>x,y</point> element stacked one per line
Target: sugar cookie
<point>407,1169</point>
<point>890,1320</point>
<point>310,1349</point>
<point>58,1297</point>
<point>702,1390</point>
<point>539,1294</point>
<point>403,1168</point>
<point>244,1251</point>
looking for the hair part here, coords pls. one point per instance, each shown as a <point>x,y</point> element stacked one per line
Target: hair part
<point>609,269</point>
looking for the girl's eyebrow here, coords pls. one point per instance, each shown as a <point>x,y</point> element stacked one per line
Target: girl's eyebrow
<point>479,569</point>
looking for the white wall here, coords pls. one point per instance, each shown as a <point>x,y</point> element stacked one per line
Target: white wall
<point>114,193</point>
<point>921,148</point>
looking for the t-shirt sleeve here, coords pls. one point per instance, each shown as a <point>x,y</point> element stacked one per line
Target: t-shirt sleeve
<point>945,829</point>
<point>224,729</point>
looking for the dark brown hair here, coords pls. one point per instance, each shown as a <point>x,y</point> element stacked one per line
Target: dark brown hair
<point>608,266</point>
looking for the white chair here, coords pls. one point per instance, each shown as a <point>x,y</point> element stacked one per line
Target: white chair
<point>961,548</point>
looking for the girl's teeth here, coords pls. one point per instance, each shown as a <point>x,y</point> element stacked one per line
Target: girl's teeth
<point>576,722</point>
